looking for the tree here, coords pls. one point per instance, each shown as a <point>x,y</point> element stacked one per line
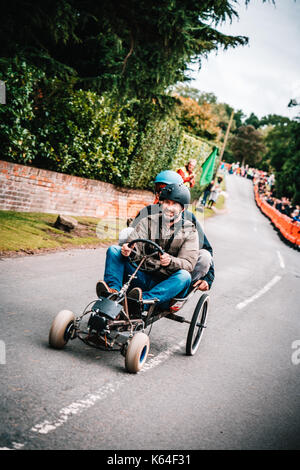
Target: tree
<point>186,91</point>
<point>253,120</point>
<point>135,47</point>
<point>274,120</point>
<point>238,118</point>
<point>283,154</point>
<point>207,97</point>
<point>247,145</point>
<point>223,112</point>
<point>198,119</point>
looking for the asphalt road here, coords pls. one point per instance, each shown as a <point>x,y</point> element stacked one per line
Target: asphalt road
<point>240,391</point>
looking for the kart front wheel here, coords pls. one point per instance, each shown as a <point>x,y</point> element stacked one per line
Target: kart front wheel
<point>59,333</point>
<point>137,352</point>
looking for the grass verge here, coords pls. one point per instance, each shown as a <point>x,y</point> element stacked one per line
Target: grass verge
<point>34,232</point>
<point>31,232</point>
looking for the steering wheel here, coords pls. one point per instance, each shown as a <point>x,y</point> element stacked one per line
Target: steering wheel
<point>149,250</point>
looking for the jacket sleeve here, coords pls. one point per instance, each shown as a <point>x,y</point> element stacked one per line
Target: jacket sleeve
<point>203,242</point>
<point>210,276</point>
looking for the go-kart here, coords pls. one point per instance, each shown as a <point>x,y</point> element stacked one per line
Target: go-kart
<point>111,325</point>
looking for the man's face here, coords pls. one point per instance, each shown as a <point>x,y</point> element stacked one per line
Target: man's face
<point>191,166</point>
<point>171,210</point>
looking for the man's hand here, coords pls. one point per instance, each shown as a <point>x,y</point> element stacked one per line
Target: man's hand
<point>125,250</point>
<point>202,285</point>
<point>165,259</point>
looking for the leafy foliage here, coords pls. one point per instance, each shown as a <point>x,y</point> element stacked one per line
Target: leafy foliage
<point>253,120</point>
<point>156,151</point>
<point>247,145</point>
<point>89,136</point>
<point>283,154</point>
<point>192,147</point>
<point>137,52</point>
<point>66,130</point>
<point>86,91</point>
<point>198,119</point>
<point>18,139</point>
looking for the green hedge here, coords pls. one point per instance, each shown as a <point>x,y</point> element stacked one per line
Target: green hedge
<point>49,124</point>
<point>17,135</point>
<point>163,146</point>
<point>192,148</point>
<point>158,145</point>
<point>86,135</point>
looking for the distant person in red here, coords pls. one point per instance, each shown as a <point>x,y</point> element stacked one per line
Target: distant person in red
<point>187,173</point>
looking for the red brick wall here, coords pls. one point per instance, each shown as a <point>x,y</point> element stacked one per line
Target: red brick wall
<point>24,188</point>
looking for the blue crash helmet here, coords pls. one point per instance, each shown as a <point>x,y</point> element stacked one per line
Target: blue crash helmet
<point>168,177</point>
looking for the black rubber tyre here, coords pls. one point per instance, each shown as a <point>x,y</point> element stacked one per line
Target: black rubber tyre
<point>58,334</point>
<point>197,325</point>
<point>137,352</point>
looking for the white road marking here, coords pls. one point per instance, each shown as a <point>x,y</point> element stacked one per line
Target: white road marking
<point>15,446</point>
<point>79,406</point>
<point>281,260</point>
<point>258,294</point>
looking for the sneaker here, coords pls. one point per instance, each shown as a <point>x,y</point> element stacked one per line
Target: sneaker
<point>135,298</point>
<point>102,289</point>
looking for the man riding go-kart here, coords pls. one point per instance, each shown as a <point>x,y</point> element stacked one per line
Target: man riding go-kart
<point>145,279</point>
<point>170,273</point>
<point>203,273</point>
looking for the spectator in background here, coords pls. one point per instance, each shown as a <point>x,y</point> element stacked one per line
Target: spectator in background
<point>271,181</point>
<point>284,206</point>
<point>278,205</point>
<point>250,173</point>
<point>266,188</point>
<point>295,215</point>
<point>269,199</point>
<point>207,192</point>
<point>214,193</point>
<point>187,173</point>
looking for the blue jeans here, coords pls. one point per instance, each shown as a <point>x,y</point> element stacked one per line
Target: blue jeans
<point>118,268</point>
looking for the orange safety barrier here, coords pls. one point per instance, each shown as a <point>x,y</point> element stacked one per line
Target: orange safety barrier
<point>295,232</point>
<point>285,228</point>
<point>289,229</point>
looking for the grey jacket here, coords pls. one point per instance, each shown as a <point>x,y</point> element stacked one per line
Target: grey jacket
<point>181,242</point>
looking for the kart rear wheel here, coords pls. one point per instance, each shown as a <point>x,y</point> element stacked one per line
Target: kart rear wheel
<point>137,352</point>
<point>197,325</point>
<point>59,333</point>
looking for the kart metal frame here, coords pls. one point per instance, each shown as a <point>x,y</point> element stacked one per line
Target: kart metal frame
<point>112,326</point>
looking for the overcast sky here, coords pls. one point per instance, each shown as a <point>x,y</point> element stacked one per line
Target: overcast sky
<point>263,76</point>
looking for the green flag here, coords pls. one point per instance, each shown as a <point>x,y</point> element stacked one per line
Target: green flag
<point>208,168</point>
